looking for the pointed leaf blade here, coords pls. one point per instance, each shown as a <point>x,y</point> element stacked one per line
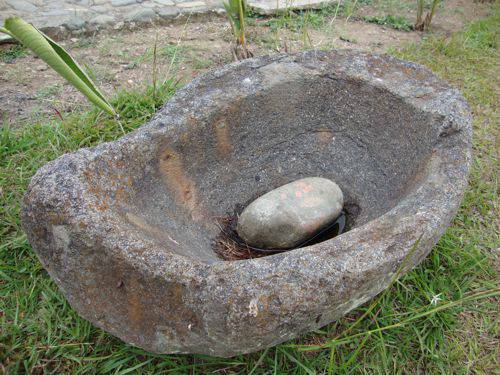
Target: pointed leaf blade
<point>57,58</point>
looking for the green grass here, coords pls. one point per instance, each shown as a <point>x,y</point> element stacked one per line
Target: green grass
<point>174,54</point>
<point>416,326</point>
<point>395,6</point>
<point>296,20</point>
<point>396,22</point>
<point>8,55</point>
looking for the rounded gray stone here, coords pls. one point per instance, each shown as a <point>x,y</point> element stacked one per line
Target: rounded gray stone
<point>168,12</point>
<point>126,229</point>
<point>121,3</point>
<point>141,15</point>
<point>164,2</point>
<point>102,19</point>
<point>287,216</point>
<point>75,23</point>
<point>81,2</point>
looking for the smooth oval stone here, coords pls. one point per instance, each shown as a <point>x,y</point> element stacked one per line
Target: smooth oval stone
<point>287,216</point>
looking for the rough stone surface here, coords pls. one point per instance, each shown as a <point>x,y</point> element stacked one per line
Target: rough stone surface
<point>126,229</point>
<point>167,12</point>
<point>75,23</point>
<point>121,3</point>
<point>287,216</point>
<point>21,5</point>
<point>192,4</point>
<point>53,16</point>
<point>141,15</point>
<point>164,2</point>
<point>102,19</point>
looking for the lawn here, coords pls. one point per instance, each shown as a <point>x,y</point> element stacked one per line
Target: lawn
<point>439,318</point>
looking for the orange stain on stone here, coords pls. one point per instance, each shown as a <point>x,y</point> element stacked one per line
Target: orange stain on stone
<point>303,189</point>
<point>324,138</point>
<point>182,187</point>
<point>134,306</point>
<point>307,189</point>
<point>224,146</point>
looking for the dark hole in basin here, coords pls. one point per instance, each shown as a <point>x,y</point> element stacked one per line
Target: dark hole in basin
<point>229,246</point>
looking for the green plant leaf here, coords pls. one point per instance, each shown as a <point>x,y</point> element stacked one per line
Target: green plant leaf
<point>4,30</point>
<point>57,58</point>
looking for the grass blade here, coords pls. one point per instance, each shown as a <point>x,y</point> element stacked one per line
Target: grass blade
<point>476,296</point>
<point>296,361</point>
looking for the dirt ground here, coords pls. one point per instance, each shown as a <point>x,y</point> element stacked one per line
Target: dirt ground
<point>186,48</point>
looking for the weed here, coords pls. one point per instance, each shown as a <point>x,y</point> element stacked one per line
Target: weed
<point>171,50</point>
<point>200,62</point>
<point>296,20</point>
<point>396,22</point>
<point>83,42</point>
<point>394,6</point>
<point>16,51</point>
<point>174,53</point>
<point>294,25</point>
<point>300,21</point>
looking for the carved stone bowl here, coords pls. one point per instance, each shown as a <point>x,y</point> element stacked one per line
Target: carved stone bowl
<point>126,229</point>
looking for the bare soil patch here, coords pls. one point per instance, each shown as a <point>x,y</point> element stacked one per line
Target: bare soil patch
<point>124,60</point>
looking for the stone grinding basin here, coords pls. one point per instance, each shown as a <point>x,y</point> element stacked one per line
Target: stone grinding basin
<point>126,229</point>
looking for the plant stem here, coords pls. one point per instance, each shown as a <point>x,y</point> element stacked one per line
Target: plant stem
<point>420,12</point>
<point>352,11</point>
<point>430,15</point>
<point>242,24</point>
<point>336,12</point>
